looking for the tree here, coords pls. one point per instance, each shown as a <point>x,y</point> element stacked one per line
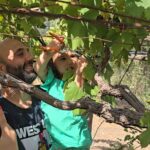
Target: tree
<point>103,31</point>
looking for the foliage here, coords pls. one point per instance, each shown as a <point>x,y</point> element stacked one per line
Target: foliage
<point>137,78</point>
<point>88,25</point>
<point>145,136</point>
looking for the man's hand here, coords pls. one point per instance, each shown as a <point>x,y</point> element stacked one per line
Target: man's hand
<point>8,138</point>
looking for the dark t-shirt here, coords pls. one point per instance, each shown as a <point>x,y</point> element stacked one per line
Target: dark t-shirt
<point>28,124</point>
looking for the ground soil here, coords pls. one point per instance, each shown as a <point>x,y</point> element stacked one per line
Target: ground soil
<point>108,136</point>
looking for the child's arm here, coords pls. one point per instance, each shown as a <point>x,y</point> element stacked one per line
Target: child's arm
<point>79,78</point>
<point>40,66</point>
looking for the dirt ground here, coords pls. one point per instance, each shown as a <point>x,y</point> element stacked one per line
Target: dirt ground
<point>107,135</point>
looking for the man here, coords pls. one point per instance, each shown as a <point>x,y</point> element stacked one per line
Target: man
<point>22,112</point>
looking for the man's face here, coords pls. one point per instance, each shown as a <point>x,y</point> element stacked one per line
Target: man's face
<point>19,61</point>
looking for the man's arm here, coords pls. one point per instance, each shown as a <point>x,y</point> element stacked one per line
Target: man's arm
<point>8,139</point>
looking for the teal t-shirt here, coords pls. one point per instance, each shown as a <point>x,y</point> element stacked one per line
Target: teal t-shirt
<point>66,130</point>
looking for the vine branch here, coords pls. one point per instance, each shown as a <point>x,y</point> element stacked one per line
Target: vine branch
<point>30,12</point>
<point>131,62</point>
<point>124,117</point>
<point>101,9</point>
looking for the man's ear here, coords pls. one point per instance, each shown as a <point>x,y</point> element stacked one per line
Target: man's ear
<point>2,67</point>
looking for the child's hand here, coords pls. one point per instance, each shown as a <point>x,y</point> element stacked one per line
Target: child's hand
<point>56,44</point>
<point>81,64</point>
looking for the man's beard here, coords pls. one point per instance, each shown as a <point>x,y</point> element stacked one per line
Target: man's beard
<point>22,73</point>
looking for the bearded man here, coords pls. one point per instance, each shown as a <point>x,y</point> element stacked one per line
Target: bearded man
<point>24,118</point>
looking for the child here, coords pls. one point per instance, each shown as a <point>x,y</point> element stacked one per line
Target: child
<point>67,131</point>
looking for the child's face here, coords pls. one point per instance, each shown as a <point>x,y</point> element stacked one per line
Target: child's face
<point>65,61</point>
